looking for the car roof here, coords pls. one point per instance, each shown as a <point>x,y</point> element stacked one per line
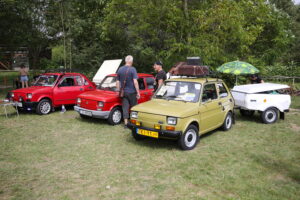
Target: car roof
<point>139,74</point>
<point>199,80</point>
<point>260,87</point>
<point>61,73</point>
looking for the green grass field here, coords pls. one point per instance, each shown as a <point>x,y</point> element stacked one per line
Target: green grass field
<point>61,156</point>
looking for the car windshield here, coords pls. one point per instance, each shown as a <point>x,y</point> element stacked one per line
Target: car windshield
<point>45,80</point>
<point>179,91</point>
<point>109,83</point>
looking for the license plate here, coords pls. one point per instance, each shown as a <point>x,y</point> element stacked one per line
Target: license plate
<point>83,112</point>
<point>147,133</point>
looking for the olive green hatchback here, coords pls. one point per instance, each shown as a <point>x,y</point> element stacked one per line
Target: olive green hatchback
<point>183,109</point>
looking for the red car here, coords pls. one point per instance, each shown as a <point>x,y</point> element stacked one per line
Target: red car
<point>105,102</point>
<point>52,90</point>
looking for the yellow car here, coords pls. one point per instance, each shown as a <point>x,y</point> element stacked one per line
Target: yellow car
<point>183,109</point>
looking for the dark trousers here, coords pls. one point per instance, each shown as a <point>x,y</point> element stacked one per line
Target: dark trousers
<point>128,101</point>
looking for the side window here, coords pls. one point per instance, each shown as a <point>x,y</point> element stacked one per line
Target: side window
<point>79,80</point>
<point>141,83</point>
<point>150,83</point>
<point>222,90</point>
<point>209,92</point>
<point>67,82</point>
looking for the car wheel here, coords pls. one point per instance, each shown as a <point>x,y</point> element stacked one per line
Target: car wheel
<point>247,113</point>
<point>269,116</point>
<point>189,139</point>
<point>115,116</point>
<point>137,136</point>
<point>227,122</point>
<point>44,107</point>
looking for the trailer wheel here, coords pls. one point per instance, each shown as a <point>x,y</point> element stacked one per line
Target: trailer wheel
<point>247,113</point>
<point>269,116</point>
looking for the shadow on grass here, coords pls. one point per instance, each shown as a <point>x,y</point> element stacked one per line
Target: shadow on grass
<point>255,118</point>
<point>282,167</point>
<point>91,120</point>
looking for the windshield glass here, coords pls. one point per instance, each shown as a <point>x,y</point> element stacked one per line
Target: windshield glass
<point>45,80</point>
<point>179,91</point>
<point>109,83</point>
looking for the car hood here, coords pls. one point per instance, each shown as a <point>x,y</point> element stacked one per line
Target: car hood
<point>34,89</point>
<point>168,108</point>
<point>100,95</point>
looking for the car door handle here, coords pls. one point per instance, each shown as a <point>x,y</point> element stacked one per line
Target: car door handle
<point>81,89</point>
<point>146,93</point>
<point>90,87</point>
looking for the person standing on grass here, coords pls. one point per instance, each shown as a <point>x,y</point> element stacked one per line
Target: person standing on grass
<point>128,87</point>
<point>24,76</point>
<point>160,76</point>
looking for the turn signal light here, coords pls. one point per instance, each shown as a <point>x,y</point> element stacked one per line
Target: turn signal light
<point>157,126</point>
<point>133,121</point>
<point>170,128</point>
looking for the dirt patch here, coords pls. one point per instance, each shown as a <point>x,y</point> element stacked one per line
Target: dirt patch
<point>295,127</point>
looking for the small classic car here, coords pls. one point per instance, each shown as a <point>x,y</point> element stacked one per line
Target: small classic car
<point>183,109</point>
<point>52,90</point>
<point>105,103</point>
<point>269,99</point>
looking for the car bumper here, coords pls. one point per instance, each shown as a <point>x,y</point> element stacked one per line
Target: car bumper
<point>161,133</point>
<point>92,113</point>
<point>24,105</point>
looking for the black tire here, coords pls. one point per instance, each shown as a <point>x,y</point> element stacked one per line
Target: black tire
<point>227,122</point>
<point>247,113</point>
<point>137,136</point>
<point>189,139</point>
<point>115,116</point>
<point>44,107</point>
<point>269,116</point>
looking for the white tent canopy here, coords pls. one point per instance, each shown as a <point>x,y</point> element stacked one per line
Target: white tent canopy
<point>107,67</point>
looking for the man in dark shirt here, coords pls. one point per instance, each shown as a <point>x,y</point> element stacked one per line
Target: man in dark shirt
<point>161,74</point>
<point>254,78</point>
<point>127,81</point>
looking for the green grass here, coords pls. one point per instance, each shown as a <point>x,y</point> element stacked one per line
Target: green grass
<point>61,156</point>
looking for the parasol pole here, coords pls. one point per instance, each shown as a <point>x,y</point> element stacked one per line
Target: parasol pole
<point>236,80</point>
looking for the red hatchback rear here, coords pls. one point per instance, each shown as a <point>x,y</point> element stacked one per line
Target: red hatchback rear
<point>105,102</point>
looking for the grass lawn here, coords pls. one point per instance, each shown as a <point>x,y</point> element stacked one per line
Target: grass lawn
<point>61,156</point>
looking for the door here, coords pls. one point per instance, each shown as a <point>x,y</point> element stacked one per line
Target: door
<point>143,91</point>
<point>224,98</point>
<point>67,90</point>
<point>149,88</point>
<point>210,108</point>
<point>81,81</point>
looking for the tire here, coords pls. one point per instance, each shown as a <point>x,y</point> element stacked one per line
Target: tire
<point>227,122</point>
<point>189,139</point>
<point>269,116</point>
<point>137,136</point>
<point>115,116</point>
<point>247,113</point>
<point>44,107</point>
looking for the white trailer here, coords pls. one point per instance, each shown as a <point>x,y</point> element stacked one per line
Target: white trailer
<point>269,99</point>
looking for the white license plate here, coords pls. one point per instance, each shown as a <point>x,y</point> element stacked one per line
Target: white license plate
<point>83,112</point>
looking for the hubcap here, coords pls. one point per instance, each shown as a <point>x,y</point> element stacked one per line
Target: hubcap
<point>116,117</point>
<point>228,121</point>
<point>190,138</point>
<point>45,107</point>
<point>270,115</point>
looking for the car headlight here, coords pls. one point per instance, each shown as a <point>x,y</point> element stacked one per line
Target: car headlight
<point>172,120</point>
<point>12,95</point>
<point>134,114</point>
<point>100,104</point>
<point>29,96</point>
<point>78,100</point>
